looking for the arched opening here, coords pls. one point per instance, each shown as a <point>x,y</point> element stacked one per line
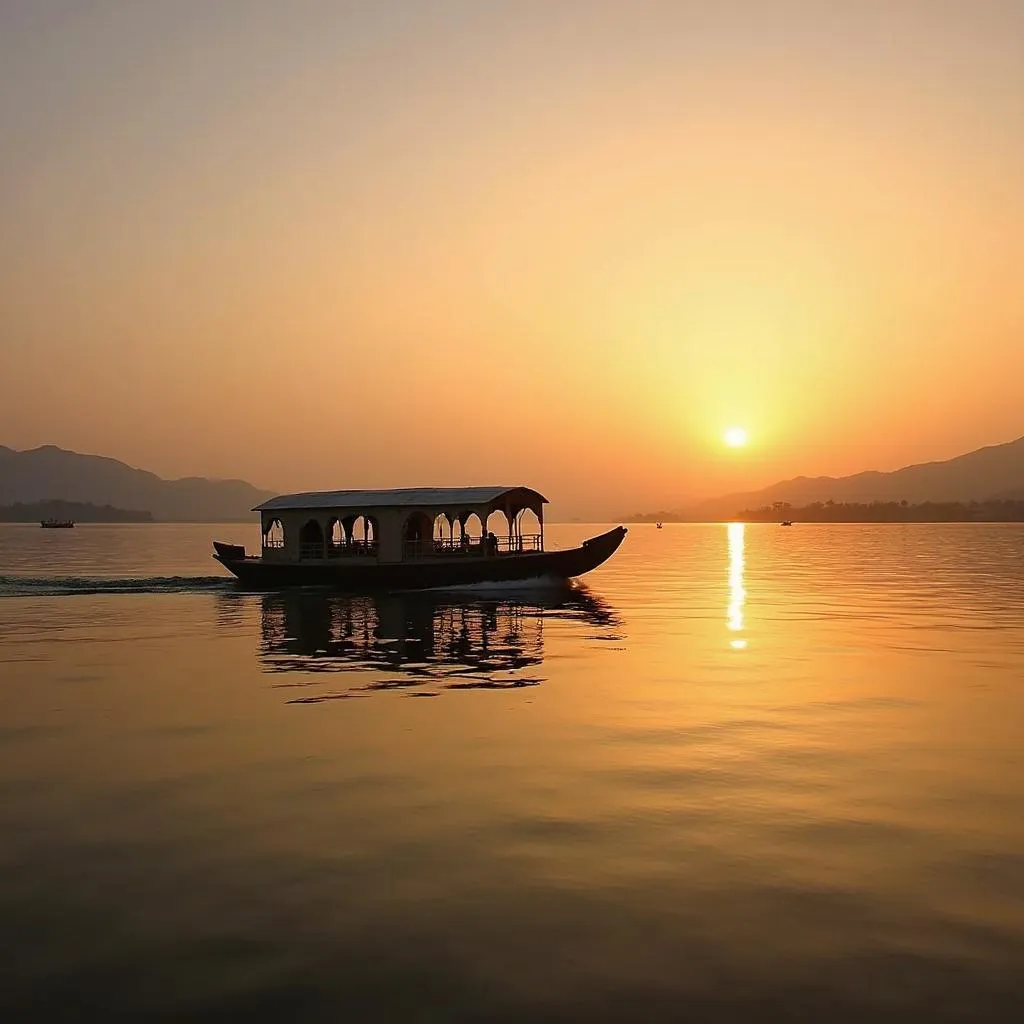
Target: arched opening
<point>335,538</point>
<point>444,533</point>
<point>416,535</point>
<point>346,528</point>
<point>351,535</point>
<point>472,533</point>
<point>496,533</point>
<point>273,536</point>
<point>364,535</point>
<point>311,540</point>
<point>527,531</point>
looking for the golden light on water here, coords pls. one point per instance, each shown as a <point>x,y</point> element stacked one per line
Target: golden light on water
<point>737,594</point>
<point>735,437</point>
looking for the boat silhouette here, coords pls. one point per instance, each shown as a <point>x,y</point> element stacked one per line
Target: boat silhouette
<point>406,539</point>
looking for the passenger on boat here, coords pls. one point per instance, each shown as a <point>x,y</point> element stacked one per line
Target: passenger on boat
<point>492,544</point>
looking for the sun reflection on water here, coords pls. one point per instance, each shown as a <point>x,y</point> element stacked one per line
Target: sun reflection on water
<point>737,595</point>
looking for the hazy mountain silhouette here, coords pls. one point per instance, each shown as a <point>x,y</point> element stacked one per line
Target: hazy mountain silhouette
<point>49,472</point>
<point>992,473</point>
<point>995,471</point>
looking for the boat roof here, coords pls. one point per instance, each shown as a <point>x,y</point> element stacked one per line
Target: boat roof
<point>403,497</point>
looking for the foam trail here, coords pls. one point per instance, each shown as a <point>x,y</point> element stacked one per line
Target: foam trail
<point>53,586</point>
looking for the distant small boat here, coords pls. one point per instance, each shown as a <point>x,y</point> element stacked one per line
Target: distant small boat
<point>787,522</point>
<point>56,524</point>
<point>658,525</point>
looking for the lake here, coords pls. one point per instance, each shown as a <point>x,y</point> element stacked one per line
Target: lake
<point>743,773</point>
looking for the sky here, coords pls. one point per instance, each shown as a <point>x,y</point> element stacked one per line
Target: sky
<point>353,244</point>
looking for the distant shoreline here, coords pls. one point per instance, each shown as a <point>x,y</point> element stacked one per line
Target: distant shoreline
<point>820,522</point>
<point>853,512</point>
<point>75,511</point>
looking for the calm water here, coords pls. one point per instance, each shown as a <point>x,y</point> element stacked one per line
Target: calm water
<point>745,774</point>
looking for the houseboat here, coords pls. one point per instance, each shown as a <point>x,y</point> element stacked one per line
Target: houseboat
<point>408,539</point>
<point>57,524</point>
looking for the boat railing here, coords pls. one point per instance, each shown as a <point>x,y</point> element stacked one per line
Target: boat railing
<point>517,545</point>
<point>454,547</point>
<point>415,549</point>
<point>353,549</point>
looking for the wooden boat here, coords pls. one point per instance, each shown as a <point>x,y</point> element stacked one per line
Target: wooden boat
<point>56,524</point>
<point>407,539</point>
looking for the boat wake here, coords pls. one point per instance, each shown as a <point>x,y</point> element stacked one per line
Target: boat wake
<point>59,586</point>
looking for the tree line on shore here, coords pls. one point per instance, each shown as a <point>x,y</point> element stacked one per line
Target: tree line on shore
<point>993,511</point>
<point>76,511</point>
<point>990,511</point>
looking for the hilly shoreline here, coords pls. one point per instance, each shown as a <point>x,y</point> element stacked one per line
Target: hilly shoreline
<point>989,475</point>
<point>51,474</point>
<point>75,511</point>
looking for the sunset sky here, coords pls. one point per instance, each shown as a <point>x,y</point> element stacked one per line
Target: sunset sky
<point>339,244</point>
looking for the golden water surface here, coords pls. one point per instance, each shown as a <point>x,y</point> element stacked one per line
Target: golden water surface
<point>744,772</point>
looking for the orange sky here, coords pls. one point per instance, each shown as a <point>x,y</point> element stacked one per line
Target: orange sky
<point>371,244</point>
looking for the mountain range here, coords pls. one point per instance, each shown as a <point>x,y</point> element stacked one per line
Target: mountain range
<point>51,473</point>
<point>994,472</point>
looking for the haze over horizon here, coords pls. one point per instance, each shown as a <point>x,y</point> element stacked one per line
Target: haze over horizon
<point>352,244</point>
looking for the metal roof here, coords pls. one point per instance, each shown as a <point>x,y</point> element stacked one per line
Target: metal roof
<point>402,497</point>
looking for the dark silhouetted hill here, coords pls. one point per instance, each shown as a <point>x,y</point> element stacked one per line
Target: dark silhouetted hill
<point>50,473</point>
<point>995,472</point>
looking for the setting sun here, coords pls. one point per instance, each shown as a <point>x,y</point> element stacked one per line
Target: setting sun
<point>735,437</point>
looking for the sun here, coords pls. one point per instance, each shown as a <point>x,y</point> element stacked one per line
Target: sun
<point>735,437</point>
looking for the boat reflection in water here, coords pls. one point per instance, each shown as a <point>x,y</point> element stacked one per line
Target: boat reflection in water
<point>426,640</point>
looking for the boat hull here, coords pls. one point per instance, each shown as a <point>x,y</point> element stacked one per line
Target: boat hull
<point>425,574</point>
